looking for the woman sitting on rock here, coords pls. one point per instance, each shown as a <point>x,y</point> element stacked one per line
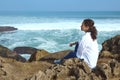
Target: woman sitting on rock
<point>87,47</point>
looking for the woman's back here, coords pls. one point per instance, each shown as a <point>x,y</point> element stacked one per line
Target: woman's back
<point>88,50</point>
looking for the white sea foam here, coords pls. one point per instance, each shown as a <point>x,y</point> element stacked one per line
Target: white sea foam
<point>105,25</point>
<point>27,56</point>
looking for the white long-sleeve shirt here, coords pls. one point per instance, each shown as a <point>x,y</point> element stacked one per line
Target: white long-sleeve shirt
<point>88,50</point>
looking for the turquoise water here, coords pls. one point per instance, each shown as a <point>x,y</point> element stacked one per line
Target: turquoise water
<point>53,31</point>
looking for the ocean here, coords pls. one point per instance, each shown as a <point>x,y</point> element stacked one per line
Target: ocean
<point>53,31</point>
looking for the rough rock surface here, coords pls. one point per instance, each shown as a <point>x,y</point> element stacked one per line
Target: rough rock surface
<point>111,49</point>
<point>76,69</point>
<point>112,45</point>
<point>54,56</point>
<point>10,69</point>
<point>38,55</point>
<point>25,50</point>
<point>5,52</point>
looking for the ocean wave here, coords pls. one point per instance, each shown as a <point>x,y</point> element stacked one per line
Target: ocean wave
<point>102,26</point>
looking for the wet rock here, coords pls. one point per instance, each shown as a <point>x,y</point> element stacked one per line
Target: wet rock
<point>25,50</point>
<point>7,28</point>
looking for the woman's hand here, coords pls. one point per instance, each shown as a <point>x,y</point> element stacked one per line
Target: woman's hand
<point>72,43</point>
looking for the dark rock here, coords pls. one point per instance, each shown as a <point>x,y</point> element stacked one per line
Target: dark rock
<point>25,50</point>
<point>111,48</point>
<point>5,52</point>
<point>112,45</point>
<point>7,28</point>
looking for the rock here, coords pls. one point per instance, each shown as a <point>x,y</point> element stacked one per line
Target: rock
<point>25,50</point>
<point>54,56</point>
<point>103,70</point>
<point>108,71</point>
<point>106,54</point>
<point>38,55</point>
<point>111,48</point>
<point>7,28</point>
<point>115,68</point>
<point>40,76</point>
<point>14,70</point>
<point>78,62</point>
<point>112,45</point>
<point>72,69</point>
<point>5,52</point>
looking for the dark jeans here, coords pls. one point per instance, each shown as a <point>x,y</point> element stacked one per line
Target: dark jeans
<point>72,54</point>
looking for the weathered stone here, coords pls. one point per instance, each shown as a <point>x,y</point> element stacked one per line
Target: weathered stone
<point>115,68</point>
<point>25,50</point>
<point>112,45</point>
<point>38,55</point>
<point>40,76</point>
<point>5,52</point>
<point>54,56</point>
<point>106,54</point>
<point>111,48</point>
<point>14,70</point>
<point>104,71</point>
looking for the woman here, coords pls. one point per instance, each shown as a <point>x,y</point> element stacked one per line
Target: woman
<point>87,47</point>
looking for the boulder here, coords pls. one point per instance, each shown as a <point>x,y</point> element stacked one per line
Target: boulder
<point>38,55</point>
<point>5,52</point>
<point>54,56</point>
<point>25,50</point>
<point>111,48</point>
<point>112,45</point>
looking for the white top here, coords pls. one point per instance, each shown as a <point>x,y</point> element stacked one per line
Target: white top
<point>88,50</point>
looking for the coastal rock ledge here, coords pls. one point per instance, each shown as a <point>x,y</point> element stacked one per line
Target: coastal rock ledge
<point>40,66</point>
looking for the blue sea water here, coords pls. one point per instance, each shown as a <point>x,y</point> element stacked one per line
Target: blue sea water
<point>53,31</point>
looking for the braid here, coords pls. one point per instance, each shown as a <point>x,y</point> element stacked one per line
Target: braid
<point>93,31</point>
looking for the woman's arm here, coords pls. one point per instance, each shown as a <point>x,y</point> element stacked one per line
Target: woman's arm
<point>73,43</point>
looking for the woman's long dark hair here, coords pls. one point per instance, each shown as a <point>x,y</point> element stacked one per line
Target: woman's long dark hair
<point>92,28</point>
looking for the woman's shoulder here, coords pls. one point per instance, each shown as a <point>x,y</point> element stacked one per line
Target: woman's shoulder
<point>86,36</point>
